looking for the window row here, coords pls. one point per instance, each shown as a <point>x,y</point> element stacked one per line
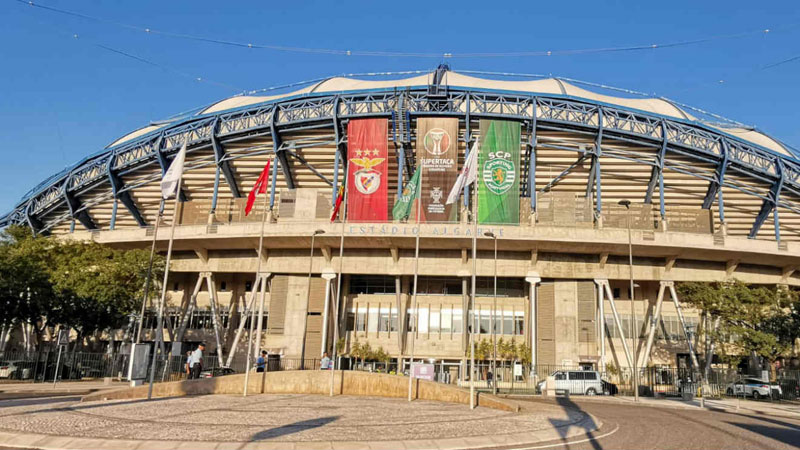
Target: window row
<point>668,328</point>
<point>380,284</point>
<point>373,318</point>
<point>198,319</point>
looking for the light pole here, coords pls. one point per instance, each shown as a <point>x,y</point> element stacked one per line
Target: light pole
<point>308,298</point>
<point>489,234</point>
<point>634,337</point>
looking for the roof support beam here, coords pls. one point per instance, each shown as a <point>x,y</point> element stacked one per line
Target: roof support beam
<point>468,143</point>
<point>223,164</point>
<point>74,205</point>
<point>337,153</point>
<point>771,204</point>
<point>310,167</point>
<point>125,197</point>
<point>281,154</point>
<point>715,188</point>
<point>564,174</point>
<point>34,223</point>
<point>657,175</point>
<point>594,172</point>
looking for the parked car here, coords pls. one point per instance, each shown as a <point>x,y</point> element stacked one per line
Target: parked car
<point>19,369</point>
<point>753,387</point>
<point>576,382</point>
<point>217,372</point>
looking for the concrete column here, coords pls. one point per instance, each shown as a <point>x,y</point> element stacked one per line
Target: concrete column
<point>533,278</point>
<point>327,275</point>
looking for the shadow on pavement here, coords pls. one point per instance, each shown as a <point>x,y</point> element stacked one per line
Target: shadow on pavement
<point>563,426</point>
<point>293,428</point>
<point>784,433</point>
<point>36,401</point>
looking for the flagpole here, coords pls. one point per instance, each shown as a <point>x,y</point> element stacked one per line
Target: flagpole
<point>472,300</point>
<point>416,275</point>
<point>160,322</point>
<point>259,279</point>
<point>149,273</point>
<point>337,300</point>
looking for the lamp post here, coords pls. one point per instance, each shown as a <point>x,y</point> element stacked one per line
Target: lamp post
<point>308,298</point>
<point>489,234</point>
<point>634,337</point>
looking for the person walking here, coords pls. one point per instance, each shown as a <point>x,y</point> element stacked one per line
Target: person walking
<point>325,364</point>
<point>188,365</point>
<point>197,361</point>
<point>261,362</point>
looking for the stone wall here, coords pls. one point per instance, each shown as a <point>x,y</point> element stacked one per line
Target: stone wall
<point>311,382</point>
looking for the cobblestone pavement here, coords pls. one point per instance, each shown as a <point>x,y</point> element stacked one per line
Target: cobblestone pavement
<point>276,418</point>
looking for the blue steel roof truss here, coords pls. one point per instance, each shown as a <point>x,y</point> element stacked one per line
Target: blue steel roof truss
<point>666,135</point>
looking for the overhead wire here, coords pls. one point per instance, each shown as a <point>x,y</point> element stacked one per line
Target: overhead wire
<point>382,53</point>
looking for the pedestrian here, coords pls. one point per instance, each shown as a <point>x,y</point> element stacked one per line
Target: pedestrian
<point>325,364</point>
<point>188,365</point>
<point>489,378</point>
<point>197,361</point>
<point>261,362</point>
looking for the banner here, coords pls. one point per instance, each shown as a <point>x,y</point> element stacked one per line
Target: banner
<point>406,200</point>
<point>498,172</point>
<point>368,170</point>
<point>437,156</point>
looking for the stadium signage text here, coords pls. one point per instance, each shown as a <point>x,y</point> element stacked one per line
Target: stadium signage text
<point>430,230</point>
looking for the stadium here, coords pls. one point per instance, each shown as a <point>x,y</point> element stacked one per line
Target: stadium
<point>570,181</point>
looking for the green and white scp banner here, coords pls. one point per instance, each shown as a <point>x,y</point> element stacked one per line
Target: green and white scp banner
<point>499,172</point>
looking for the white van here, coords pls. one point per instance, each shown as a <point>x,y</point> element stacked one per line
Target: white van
<point>575,382</point>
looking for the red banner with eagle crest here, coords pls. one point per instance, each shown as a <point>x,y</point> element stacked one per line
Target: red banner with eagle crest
<point>367,170</point>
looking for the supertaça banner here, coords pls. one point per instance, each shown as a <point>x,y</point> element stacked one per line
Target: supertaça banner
<point>498,172</point>
<point>437,156</point>
<point>368,170</point>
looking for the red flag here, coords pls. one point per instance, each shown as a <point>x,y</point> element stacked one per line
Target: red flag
<point>339,198</point>
<point>259,188</point>
<point>368,170</point>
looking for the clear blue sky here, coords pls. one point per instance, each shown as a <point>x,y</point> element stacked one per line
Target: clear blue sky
<point>62,98</point>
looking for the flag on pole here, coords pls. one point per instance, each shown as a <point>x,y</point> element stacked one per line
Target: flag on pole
<point>468,175</point>
<point>169,183</point>
<point>259,188</point>
<point>402,207</point>
<point>338,205</point>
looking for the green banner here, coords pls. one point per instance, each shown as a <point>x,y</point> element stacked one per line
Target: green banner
<point>499,172</point>
<point>405,201</point>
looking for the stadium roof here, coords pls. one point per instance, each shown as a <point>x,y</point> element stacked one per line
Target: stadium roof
<point>549,86</point>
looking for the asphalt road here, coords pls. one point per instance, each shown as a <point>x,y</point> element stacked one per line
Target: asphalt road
<point>644,427</point>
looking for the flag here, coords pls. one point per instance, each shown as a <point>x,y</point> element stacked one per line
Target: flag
<point>405,201</point>
<point>338,205</point>
<point>468,175</point>
<point>169,183</point>
<point>367,170</point>
<point>259,188</point>
<point>498,194</point>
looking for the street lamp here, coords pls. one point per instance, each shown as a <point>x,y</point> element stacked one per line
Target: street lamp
<point>308,298</point>
<point>489,234</point>
<point>627,205</point>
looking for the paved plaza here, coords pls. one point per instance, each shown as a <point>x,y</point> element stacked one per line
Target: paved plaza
<point>275,419</point>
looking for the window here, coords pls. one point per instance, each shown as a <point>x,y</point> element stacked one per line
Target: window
<point>435,321</point>
<point>223,286</point>
<point>438,286</point>
<point>576,376</point>
<point>361,319</point>
<point>411,320</point>
<point>372,284</point>
<point>506,287</point>
<point>519,323</point>
<point>393,319</point>
<point>372,319</point>
<point>383,320</point>
<point>458,318</point>
<point>508,323</point>
<point>447,320</point>
<point>560,376</point>
<point>590,375</point>
<point>351,321</point>
<point>485,322</point>
<point>423,320</point>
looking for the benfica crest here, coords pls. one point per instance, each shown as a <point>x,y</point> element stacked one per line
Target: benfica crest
<point>499,173</point>
<point>367,179</point>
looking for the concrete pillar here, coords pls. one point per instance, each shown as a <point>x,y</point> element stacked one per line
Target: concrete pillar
<point>533,279</point>
<point>328,275</point>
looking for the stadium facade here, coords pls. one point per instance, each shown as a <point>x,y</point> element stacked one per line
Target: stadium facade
<point>709,201</point>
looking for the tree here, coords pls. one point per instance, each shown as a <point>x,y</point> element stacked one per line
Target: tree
<point>756,317</point>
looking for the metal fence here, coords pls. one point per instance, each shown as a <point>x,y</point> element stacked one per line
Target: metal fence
<point>45,365</point>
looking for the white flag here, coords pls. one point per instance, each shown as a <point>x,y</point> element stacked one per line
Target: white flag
<point>468,175</point>
<point>169,184</point>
